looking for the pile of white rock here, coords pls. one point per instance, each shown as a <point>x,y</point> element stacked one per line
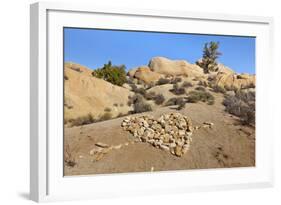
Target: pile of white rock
<point>171,132</point>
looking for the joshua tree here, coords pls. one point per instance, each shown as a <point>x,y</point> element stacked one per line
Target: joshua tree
<point>210,55</point>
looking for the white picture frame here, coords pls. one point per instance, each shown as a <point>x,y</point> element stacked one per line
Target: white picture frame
<point>47,182</point>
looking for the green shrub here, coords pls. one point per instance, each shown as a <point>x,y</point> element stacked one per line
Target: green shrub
<point>203,96</point>
<point>113,74</point>
<point>163,81</point>
<point>210,55</point>
<point>177,90</point>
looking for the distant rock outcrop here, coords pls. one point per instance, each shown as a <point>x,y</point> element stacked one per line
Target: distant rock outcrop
<point>232,81</point>
<point>174,67</point>
<point>160,67</point>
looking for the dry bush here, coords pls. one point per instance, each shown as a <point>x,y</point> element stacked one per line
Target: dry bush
<point>186,84</point>
<point>68,157</point>
<point>180,101</point>
<point>65,77</point>
<point>139,104</point>
<point>150,95</point>
<point>200,88</point>
<point>105,116</point>
<point>176,80</point>
<point>163,81</point>
<point>108,109</point>
<point>203,96</point>
<point>177,90</point>
<point>159,99</point>
<point>218,89</point>
<point>141,91</point>
<point>242,104</point>
<point>84,120</point>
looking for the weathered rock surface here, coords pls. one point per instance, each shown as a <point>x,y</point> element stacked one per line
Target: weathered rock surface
<point>85,94</point>
<point>235,81</point>
<point>174,67</point>
<point>146,75</point>
<point>170,132</point>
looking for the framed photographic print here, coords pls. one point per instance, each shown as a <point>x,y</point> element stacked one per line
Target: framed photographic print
<point>127,102</point>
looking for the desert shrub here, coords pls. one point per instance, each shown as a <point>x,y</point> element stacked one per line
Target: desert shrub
<point>200,88</point>
<point>176,80</point>
<point>218,89</point>
<point>139,104</point>
<point>68,157</point>
<point>149,95</point>
<point>107,109</point>
<point>177,90</point>
<point>112,73</point>
<point>242,105</point>
<point>141,90</point>
<point>203,83</point>
<point>65,77</point>
<point>203,96</point>
<point>173,101</point>
<point>121,104</point>
<point>130,80</point>
<point>115,104</point>
<point>105,116</point>
<point>134,87</point>
<point>163,81</point>
<point>230,88</point>
<point>186,84</point>
<point>180,101</point>
<point>121,115</point>
<point>159,99</point>
<point>84,120</point>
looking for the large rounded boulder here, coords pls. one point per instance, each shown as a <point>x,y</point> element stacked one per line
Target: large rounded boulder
<point>166,66</point>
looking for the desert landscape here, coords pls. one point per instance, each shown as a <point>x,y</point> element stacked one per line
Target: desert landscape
<point>167,115</point>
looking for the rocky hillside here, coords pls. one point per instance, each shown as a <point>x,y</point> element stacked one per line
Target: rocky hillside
<point>92,99</point>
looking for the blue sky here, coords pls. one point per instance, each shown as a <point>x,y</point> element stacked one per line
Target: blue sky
<point>93,48</point>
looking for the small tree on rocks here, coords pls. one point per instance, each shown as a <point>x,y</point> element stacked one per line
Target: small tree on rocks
<point>210,55</point>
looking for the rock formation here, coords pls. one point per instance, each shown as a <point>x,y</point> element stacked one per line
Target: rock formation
<point>85,94</point>
<point>234,81</point>
<point>174,67</point>
<point>146,75</point>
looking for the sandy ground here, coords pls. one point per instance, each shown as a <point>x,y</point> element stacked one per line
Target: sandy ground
<point>227,144</point>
